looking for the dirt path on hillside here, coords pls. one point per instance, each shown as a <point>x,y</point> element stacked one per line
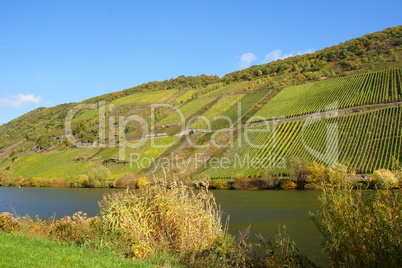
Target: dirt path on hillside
<point>350,110</point>
<point>9,149</point>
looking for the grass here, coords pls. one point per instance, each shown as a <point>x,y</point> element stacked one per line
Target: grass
<point>19,250</point>
<point>86,115</point>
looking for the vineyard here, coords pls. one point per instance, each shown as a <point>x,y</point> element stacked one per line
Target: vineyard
<point>141,157</point>
<point>363,141</point>
<point>217,109</point>
<point>188,95</point>
<point>146,97</point>
<point>235,112</point>
<point>187,111</point>
<point>224,90</point>
<point>350,91</point>
<point>59,164</point>
<point>71,163</point>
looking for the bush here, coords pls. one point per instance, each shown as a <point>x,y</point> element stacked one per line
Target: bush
<point>317,175</point>
<point>7,222</point>
<point>270,181</point>
<point>220,185</point>
<point>18,181</point>
<point>245,183</point>
<point>57,182</point>
<point>32,182</point>
<point>76,229</point>
<point>384,179</point>
<point>338,175</point>
<point>142,182</point>
<point>5,179</point>
<point>288,185</point>
<point>80,181</point>
<point>127,180</point>
<point>241,182</point>
<point>97,177</point>
<point>361,228</point>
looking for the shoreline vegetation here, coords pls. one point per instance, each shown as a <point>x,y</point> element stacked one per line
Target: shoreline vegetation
<point>168,218</point>
<point>303,175</point>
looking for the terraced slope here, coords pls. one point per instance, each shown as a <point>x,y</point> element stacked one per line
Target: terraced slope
<point>224,90</point>
<point>234,113</point>
<point>224,104</point>
<point>368,88</point>
<point>185,112</point>
<point>363,141</point>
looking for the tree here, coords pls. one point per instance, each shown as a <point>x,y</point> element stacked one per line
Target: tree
<point>298,169</point>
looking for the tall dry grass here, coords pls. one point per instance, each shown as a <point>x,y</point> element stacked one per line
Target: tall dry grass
<point>164,216</point>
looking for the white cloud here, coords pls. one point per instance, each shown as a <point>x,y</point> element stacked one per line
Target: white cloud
<point>246,59</point>
<point>278,54</point>
<point>20,99</point>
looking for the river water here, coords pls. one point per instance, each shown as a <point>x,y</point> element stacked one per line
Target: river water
<point>264,211</point>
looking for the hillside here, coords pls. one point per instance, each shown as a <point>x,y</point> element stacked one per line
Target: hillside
<point>339,104</point>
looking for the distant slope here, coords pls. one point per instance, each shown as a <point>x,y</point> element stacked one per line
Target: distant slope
<point>360,71</point>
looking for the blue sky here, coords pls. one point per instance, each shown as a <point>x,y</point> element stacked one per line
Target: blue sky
<point>53,52</point>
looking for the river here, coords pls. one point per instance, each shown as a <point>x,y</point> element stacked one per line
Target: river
<point>265,211</point>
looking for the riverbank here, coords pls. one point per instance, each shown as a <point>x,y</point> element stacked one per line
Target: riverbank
<point>302,175</point>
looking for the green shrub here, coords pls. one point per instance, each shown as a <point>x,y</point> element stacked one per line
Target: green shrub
<point>80,181</point>
<point>361,228</point>
<point>298,169</point>
<point>97,177</point>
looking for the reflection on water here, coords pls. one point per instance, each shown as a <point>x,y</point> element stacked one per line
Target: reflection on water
<point>265,211</point>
